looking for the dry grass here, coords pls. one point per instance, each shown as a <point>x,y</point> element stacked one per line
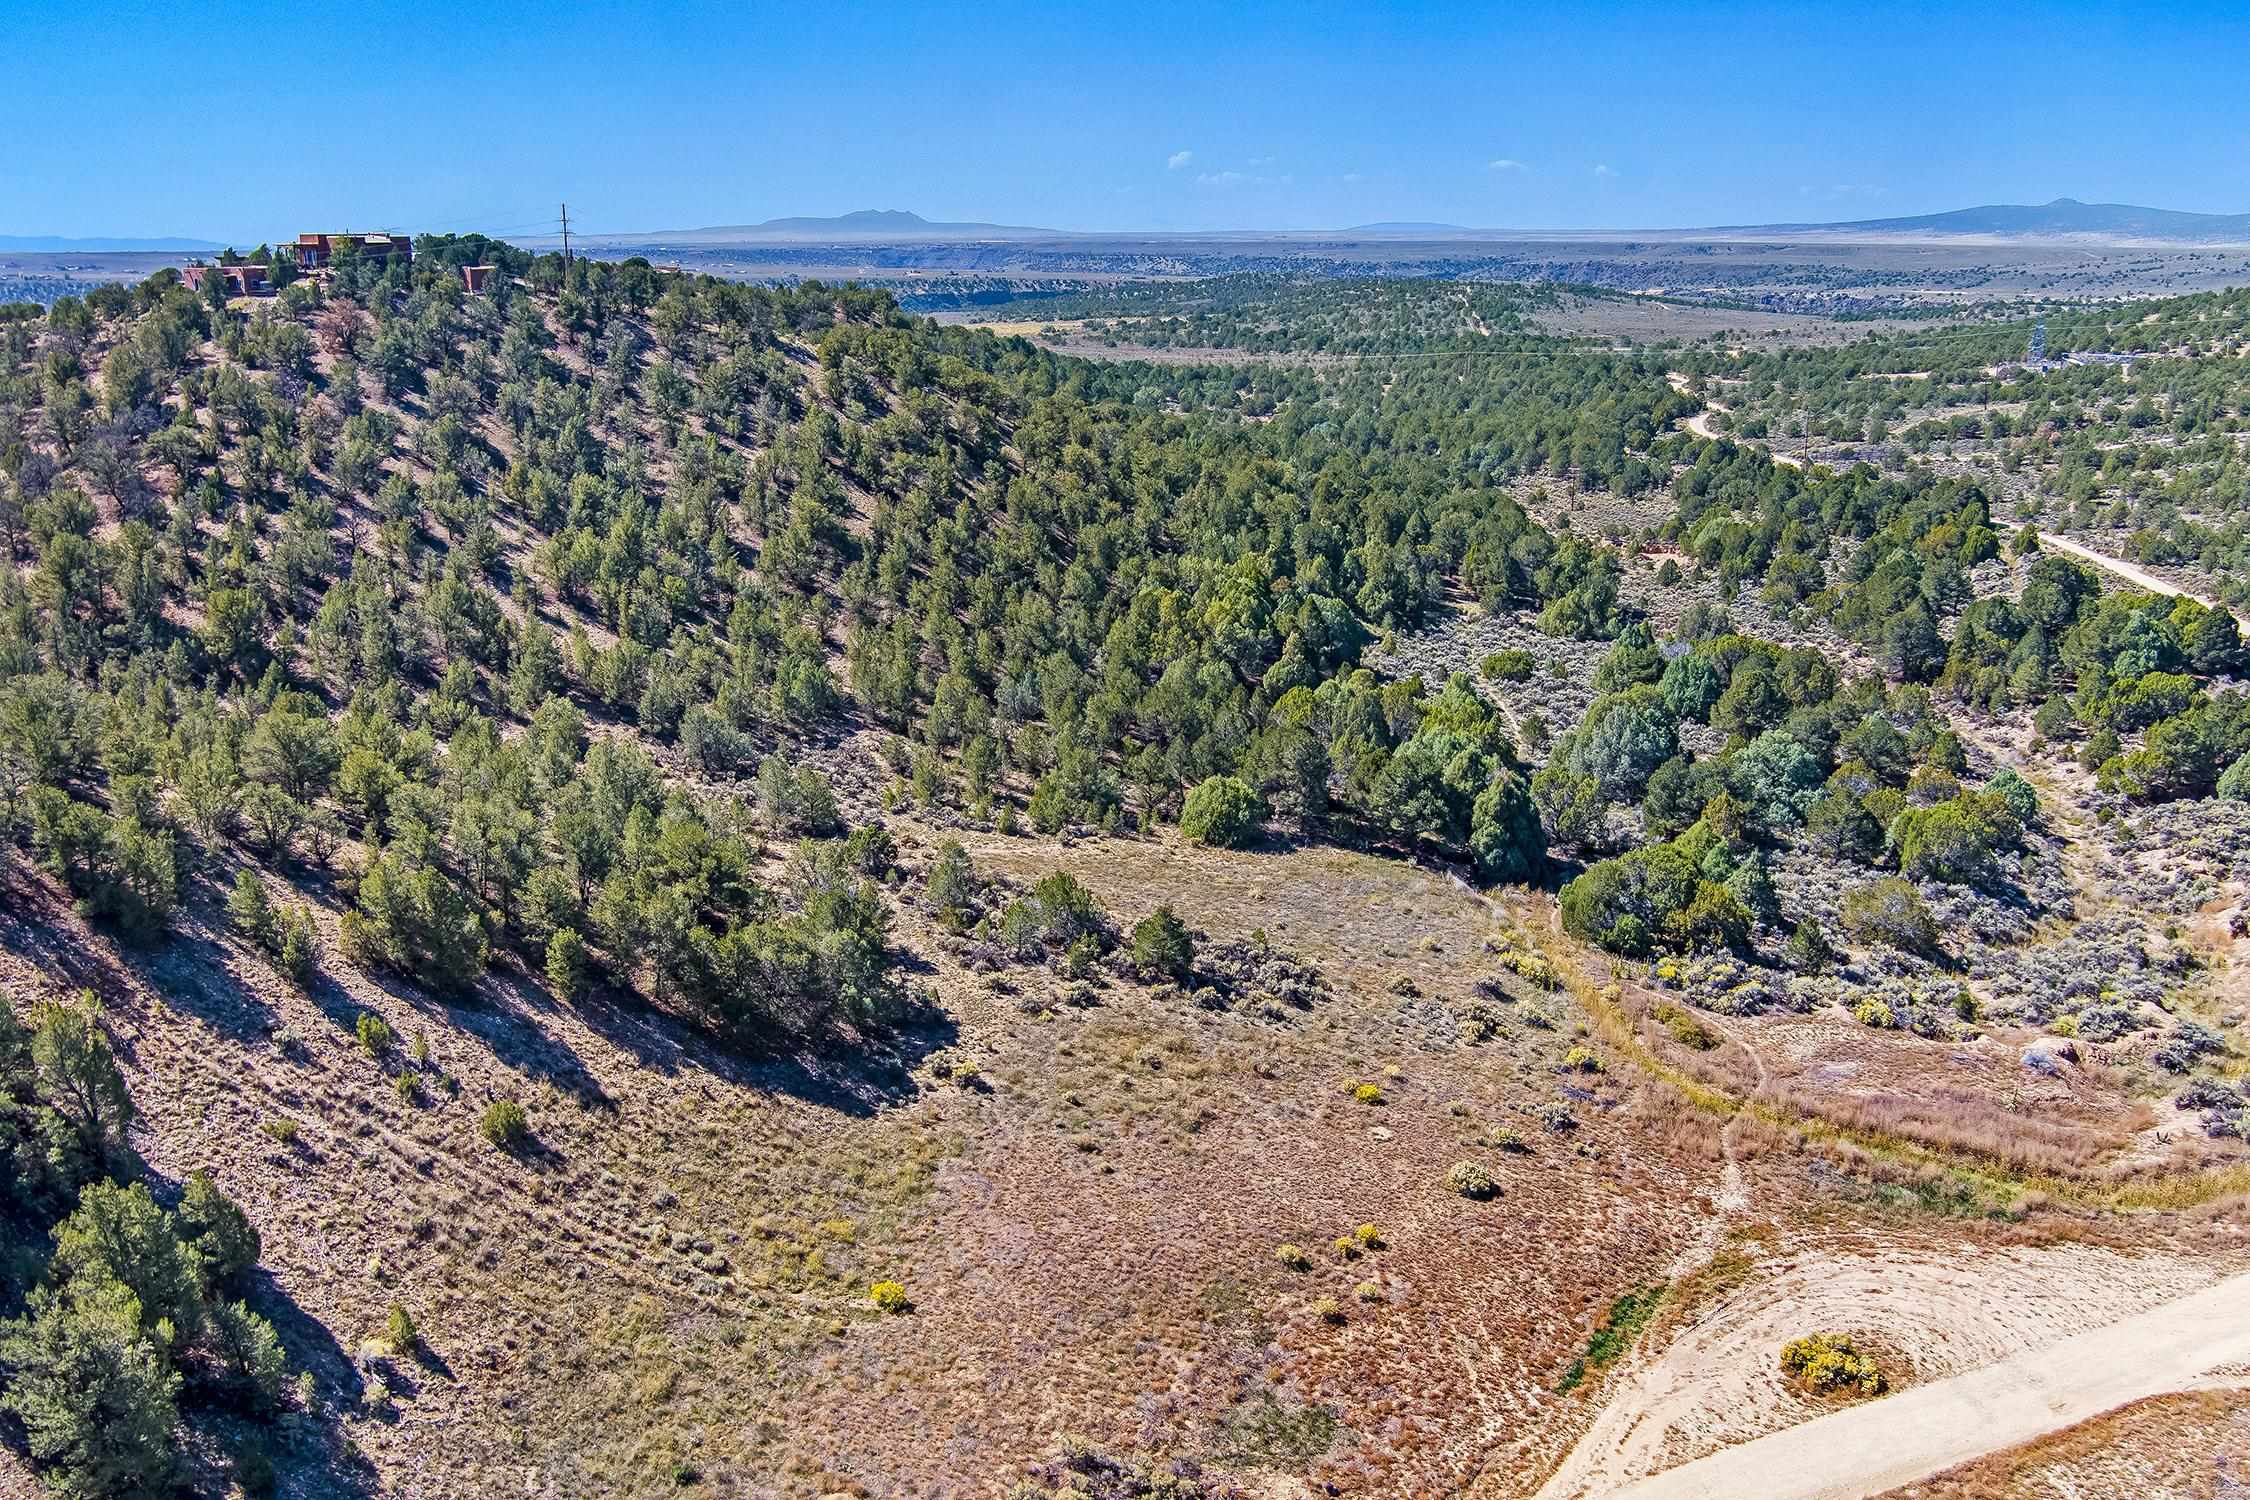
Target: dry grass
<point>2190,1446</point>
<point>667,1293</point>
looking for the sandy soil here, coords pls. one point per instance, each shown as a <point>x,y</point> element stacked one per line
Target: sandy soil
<point>2004,1347</point>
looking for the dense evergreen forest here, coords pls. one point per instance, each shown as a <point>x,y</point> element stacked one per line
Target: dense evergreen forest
<point>2152,448</point>
<point>1270,312</point>
<point>516,611</point>
<point>512,609</point>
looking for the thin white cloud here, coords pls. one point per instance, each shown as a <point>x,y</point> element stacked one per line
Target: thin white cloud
<point>1505,164</point>
<point>1177,160</point>
<point>1220,179</point>
<point>1354,178</point>
<point>1604,169</point>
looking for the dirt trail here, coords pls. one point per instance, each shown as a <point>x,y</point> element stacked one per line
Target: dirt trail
<point>2140,577</point>
<point>1700,423</point>
<point>1864,1450</point>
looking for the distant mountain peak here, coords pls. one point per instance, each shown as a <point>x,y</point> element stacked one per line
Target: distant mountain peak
<point>100,244</point>
<point>886,218</point>
<point>2057,216</point>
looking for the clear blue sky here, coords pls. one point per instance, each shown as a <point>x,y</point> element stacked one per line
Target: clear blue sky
<point>236,122</point>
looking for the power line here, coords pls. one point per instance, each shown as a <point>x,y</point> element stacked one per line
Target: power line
<point>566,235</point>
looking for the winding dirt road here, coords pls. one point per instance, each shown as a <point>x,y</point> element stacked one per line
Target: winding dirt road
<point>2137,576</point>
<point>1864,1450</point>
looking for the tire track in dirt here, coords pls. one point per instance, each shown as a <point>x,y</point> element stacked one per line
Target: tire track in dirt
<point>1864,1450</point>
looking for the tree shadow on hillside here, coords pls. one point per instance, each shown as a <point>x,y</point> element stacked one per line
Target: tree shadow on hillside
<point>197,976</point>
<point>311,1442</point>
<point>38,926</point>
<point>319,1457</point>
<point>514,1016</point>
<point>510,1021</point>
<point>855,1075</point>
<point>875,1076</point>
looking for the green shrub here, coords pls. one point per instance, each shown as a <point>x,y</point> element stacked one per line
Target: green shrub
<point>414,918</point>
<point>1057,913</point>
<point>80,1075</point>
<point>2234,784</point>
<point>566,962</point>
<point>249,1356</point>
<point>1954,841</point>
<point>251,911</point>
<point>1162,947</point>
<point>1808,950</point>
<point>220,1237</point>
<point>400,1334</point>
<point>1221,811</point>
<point>1892,913</point>
<point>2017,793</point>
<point>95,1394</point>
<point>1653,897</point>
<point>1685,1028</point>
<point>1511,665</point>
<point>1627,1316</point>
<point>374,1035</point>
<point>300,949</point>
<point>1080,957</point>
<point>952,885</point>
<point>504,1124</point>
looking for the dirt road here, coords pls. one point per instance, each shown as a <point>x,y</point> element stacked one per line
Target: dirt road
<point>1938,1313</point>
<point>2139,577</point>
<point>1867,1449</point>
<point>1700,423</point>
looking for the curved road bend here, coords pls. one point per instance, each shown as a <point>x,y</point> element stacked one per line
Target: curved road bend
<point>1864,1450</point>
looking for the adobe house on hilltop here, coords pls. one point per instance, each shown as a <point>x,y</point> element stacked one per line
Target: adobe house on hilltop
<point>247,279</point>
<point>473,277</point>
<point>317,250</point>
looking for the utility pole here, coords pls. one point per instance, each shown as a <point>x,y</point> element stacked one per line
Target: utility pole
<point>566,236</point>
